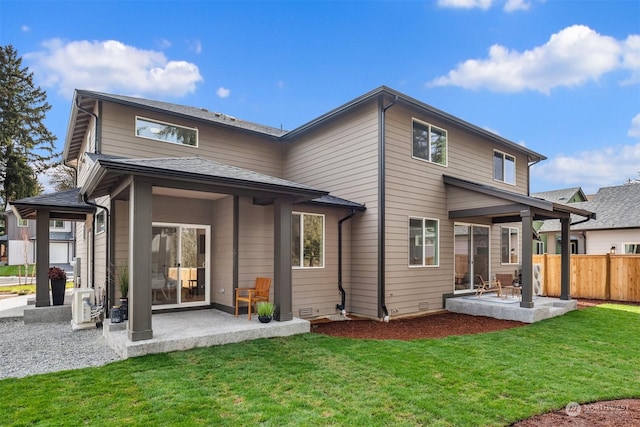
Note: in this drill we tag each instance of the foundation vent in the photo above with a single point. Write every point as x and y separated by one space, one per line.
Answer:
306 312
423 306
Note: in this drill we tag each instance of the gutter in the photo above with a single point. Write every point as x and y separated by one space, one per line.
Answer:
343 295
97 145
107 254
382 309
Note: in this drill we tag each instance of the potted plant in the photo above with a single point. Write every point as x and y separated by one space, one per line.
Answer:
123 283
58 279
265 311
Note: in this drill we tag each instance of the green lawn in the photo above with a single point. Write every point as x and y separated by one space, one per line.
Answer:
475 380
12 270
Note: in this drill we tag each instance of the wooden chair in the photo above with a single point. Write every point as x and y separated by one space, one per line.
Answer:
254 295
488 286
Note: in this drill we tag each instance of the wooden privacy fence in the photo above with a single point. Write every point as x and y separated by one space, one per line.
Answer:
606 277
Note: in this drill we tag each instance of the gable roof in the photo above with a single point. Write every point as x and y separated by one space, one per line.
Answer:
563 195
616 208
84 100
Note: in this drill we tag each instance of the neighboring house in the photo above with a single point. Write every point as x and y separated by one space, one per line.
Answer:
381 207
21 240
616 229
566 195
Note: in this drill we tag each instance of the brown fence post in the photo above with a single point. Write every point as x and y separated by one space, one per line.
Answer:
607 284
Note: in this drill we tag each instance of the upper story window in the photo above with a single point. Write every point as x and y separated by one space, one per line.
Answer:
424 236
429 143
504 167
167 132
56 223
307 240
22 222
101 222
509 246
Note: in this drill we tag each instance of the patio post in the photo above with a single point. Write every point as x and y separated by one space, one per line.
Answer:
140 203
282 291
527 259
42 258
565 260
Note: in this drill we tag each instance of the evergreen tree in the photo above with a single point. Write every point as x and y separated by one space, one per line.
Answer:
63 177
26 145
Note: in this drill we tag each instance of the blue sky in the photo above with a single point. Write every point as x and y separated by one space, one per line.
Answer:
561 77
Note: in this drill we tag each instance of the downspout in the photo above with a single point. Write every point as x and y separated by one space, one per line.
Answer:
382 310
529 176
97 136
93 249
343 295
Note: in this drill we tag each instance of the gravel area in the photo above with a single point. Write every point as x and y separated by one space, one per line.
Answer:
49 347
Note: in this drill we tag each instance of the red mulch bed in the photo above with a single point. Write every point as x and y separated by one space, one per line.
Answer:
614 413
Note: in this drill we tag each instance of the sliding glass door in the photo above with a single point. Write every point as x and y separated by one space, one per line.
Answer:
180 264
471 250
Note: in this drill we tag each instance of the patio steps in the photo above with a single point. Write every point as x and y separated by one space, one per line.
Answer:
509 309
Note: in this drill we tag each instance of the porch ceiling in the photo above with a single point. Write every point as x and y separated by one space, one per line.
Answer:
505 206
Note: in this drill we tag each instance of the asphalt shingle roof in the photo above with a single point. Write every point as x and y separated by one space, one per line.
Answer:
615 207
558 196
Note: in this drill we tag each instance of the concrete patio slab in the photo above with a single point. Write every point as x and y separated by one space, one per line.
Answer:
200 328
508 308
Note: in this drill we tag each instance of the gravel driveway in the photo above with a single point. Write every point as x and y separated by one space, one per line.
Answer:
49 347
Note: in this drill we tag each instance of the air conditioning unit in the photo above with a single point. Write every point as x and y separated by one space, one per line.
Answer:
537 279
81 308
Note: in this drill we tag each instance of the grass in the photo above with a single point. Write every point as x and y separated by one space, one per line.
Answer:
12 270
307 380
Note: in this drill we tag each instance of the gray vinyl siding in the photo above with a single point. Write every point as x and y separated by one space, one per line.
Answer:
222 260
415 188
255 243
215 143
317 288
81 252
342 157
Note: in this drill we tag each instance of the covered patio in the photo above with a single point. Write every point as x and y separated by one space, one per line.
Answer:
469 201
184 330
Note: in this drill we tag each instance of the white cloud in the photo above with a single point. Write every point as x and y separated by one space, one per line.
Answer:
223 92
466 4
515 5
25 28
111 66
571 57
590 170
164 44
634 131
195 45
631 58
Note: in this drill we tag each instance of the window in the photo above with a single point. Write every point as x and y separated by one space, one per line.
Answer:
509 239
151 129
56 223
100 222
424 237
504 167
539 247
429 143
22 222
307 240
632 248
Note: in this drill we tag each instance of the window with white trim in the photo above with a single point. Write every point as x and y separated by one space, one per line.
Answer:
101 222
429 143
56 224
22 222
167 132
509 245
424 242
632 248
504 167
307 240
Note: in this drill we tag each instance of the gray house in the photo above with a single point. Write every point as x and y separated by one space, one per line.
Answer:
616 229
382 207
